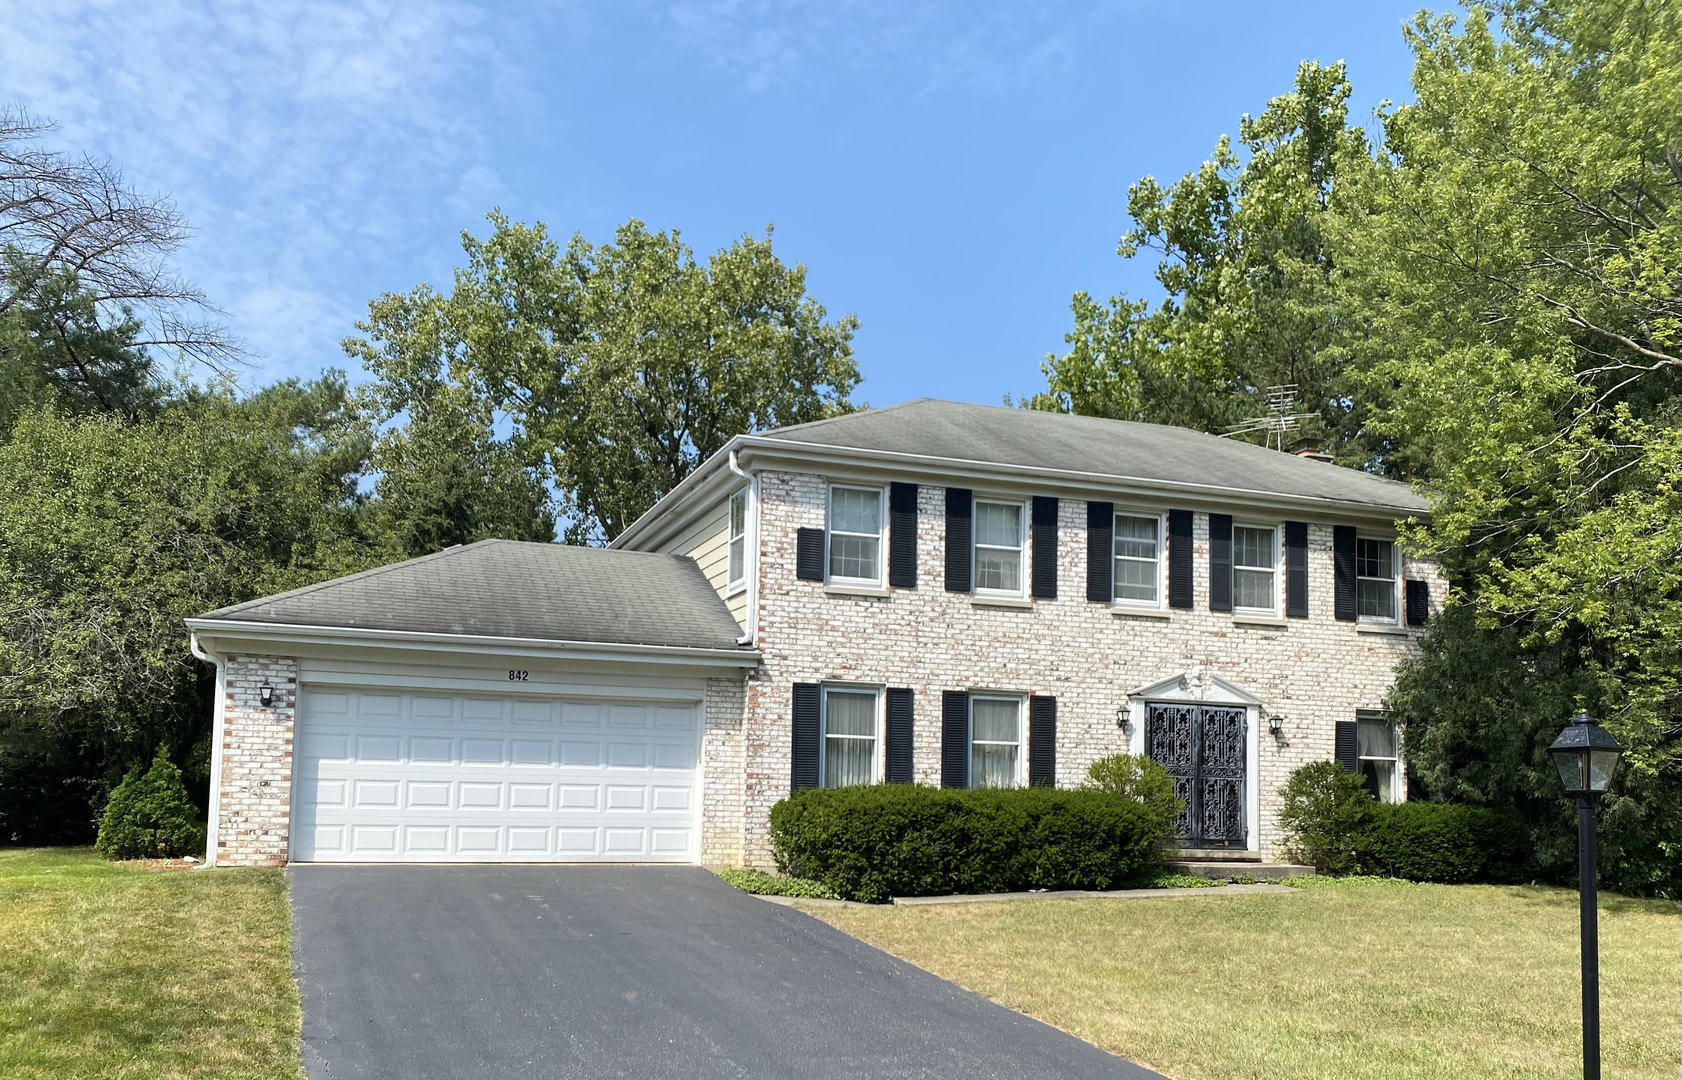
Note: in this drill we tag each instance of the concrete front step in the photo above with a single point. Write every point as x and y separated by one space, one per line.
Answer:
1214 855
1238 868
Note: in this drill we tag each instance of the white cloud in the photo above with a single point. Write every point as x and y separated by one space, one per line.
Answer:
309 146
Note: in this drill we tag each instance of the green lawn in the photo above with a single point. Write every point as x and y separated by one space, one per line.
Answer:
109 970
1354 981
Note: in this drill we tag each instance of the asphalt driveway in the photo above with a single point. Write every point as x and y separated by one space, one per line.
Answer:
605 971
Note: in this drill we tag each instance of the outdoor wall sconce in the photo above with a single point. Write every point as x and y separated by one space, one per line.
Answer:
1124 717
265 694
1276 725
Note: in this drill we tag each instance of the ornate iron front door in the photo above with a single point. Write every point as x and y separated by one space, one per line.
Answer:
1202 747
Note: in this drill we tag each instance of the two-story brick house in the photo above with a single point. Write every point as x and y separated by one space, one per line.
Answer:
933 593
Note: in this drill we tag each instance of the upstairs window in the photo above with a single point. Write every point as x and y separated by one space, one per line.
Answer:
1138 560
855 535
849 736
998 547
1375 579
995 728
1255 568
738 572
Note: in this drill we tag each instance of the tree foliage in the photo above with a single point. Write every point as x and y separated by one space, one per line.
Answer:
617 367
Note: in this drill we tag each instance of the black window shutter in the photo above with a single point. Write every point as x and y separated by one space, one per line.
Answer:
1045 547
1179 558
808 554
1296 569
954 739
1343 568
1220 562
1344 746
958 511
1042 741
902 536
1100 551
803 763
1418 602
900 715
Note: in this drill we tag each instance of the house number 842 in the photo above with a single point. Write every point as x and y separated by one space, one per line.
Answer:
517 676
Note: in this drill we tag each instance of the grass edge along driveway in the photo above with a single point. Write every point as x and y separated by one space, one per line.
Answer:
1357 980
114 970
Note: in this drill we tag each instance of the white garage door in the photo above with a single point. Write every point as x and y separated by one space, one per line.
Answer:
432 778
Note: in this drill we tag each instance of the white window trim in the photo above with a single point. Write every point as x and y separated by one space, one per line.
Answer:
881 579
733 586
1021 546
1161 601
1396 591
1273 612
1398 781
878 726
1021 702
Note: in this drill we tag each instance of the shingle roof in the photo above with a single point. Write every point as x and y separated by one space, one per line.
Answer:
1155 453
508 588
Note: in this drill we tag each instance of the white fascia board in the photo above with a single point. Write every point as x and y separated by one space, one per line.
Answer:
788 454
288 634
681 505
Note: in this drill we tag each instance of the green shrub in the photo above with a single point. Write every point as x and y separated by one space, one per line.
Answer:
1143 781
876 842
149 816
1443 842
1325 815
760 883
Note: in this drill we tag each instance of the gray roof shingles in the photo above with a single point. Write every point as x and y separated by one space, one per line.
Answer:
1157 453
515 589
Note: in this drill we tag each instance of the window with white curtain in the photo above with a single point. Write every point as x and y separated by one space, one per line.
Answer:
995 728
849 735
1378 746
1255 566
1138 559
738 578
855 535
1375 579
998 547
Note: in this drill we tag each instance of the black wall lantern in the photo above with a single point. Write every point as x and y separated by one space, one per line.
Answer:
1586 755
265 694
1276 725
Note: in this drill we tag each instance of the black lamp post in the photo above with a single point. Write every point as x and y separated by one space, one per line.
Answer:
1586 755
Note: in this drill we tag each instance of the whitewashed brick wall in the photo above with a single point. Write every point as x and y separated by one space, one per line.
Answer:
723 768
1315 671
256 778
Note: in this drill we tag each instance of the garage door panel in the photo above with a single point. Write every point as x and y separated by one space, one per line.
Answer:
433 778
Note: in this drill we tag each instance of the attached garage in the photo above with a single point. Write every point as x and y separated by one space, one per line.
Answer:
388 777
500 702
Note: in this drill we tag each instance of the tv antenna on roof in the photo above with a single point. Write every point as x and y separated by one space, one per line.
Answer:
1279 420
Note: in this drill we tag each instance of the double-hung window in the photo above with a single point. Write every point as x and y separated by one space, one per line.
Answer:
855 535
1375 579
738 573
849 735
995 740
998 547
1378 746
1255 568
1138 560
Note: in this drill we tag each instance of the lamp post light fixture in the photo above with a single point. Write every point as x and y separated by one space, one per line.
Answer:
1586 755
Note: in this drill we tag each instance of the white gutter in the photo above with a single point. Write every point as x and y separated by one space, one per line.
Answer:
427 640
214 802
750 557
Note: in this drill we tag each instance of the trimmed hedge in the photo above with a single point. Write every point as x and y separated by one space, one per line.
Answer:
149 816
875 842
1443 842
1332 823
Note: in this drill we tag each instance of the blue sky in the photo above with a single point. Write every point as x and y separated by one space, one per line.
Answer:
951 173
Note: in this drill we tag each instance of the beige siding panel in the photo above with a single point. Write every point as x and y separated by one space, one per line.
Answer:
708 543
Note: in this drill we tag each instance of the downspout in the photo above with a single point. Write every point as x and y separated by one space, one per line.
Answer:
752 567
215 799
